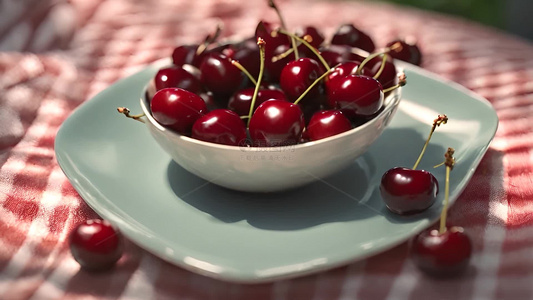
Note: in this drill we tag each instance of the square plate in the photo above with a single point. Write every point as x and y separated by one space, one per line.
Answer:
120 171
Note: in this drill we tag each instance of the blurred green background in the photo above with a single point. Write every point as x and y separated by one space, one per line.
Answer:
514 16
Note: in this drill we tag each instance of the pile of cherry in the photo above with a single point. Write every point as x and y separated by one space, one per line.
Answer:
276 88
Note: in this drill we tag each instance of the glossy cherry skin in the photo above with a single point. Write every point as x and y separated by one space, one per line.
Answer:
407 52
177 77
407 191
336 54
247 54
220 126
345 69
442 254
273 68
177 109
96 245
219 75
347 34
356 95
316 40
276 123
297 76
327 123
389 75
185 54
264 31
240 101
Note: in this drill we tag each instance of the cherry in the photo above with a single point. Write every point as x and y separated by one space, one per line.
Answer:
220 126
264 31
444 252
345 69
185 54
407 52
219 75
347 34
356 95
388 75
177 77
279 58
246 54
210 101
240 101
276 123
327 123
316 40
194 54
336 54
408 191
177 109
298 75
96 245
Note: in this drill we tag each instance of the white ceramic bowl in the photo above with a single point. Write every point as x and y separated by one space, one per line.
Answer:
270 169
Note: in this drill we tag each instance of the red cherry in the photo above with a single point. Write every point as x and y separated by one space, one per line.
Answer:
408 191
177 77
327 123
219 75
220 126
388 76
298 75
347 34
407 52
240 101
316 40
247 54
177 109
264 31
442 254
96 245
356 95
345 69
185 54
336 54
276 123
273 67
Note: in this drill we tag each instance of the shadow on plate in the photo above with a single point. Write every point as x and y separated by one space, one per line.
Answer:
350 195
334 199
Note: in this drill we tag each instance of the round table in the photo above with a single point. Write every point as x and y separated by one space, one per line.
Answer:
113 39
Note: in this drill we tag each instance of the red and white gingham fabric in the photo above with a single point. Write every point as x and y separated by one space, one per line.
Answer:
108 40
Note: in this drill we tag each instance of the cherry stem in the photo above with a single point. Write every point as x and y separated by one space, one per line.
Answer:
261 43
441 119
243 69
381 67
126 112
376 54
282 55
358 51
312 85
209 39
284 26
306 43
449 162
402 80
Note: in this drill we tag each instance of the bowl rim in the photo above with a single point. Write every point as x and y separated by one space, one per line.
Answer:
390 102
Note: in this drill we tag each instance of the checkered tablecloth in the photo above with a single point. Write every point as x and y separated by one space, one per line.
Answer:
58 54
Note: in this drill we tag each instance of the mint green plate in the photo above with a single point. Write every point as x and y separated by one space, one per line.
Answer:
120 171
